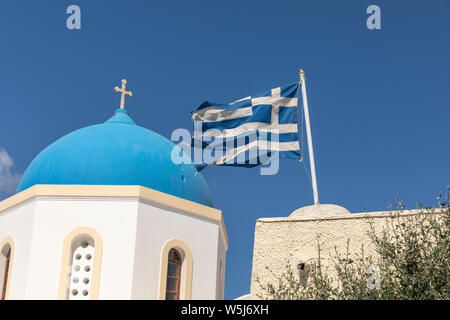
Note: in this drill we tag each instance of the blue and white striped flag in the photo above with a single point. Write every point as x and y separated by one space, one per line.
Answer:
250 131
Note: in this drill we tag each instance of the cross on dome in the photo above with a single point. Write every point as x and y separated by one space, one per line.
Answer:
124 92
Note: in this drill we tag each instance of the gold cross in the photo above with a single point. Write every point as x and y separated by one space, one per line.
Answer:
124 92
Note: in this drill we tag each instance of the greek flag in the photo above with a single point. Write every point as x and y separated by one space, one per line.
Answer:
250 131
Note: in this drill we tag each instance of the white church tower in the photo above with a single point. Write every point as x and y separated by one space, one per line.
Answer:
104 213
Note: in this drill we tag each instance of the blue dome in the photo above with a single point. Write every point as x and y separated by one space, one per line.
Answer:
117 152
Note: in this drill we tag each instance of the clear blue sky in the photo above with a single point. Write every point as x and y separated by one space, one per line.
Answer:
379 99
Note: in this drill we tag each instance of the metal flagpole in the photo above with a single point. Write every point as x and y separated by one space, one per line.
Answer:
308 135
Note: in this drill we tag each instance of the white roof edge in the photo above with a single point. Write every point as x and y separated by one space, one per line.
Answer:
247 296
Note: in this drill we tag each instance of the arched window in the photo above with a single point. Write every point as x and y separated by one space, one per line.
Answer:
80 268
175 282
173 275
80 274
5 259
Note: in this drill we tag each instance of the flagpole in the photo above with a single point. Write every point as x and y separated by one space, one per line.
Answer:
308 135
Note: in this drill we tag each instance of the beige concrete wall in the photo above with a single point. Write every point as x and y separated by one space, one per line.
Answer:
278 239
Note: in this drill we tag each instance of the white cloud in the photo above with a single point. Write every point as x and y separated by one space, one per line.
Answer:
8 179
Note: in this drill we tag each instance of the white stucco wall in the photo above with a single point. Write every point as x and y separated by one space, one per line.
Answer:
133 233
55 218
221 260
157 225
